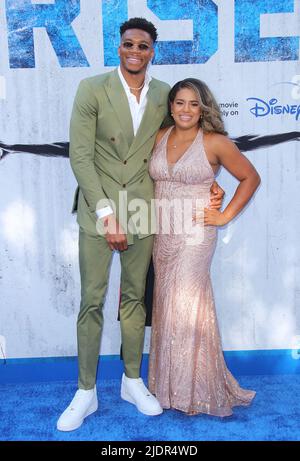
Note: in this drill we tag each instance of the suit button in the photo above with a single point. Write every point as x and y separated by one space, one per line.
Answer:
124 185
145 160
125 162
112 139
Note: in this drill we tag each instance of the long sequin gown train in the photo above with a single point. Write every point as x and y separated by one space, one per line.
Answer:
187 370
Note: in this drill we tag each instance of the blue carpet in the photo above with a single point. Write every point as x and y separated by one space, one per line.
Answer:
29 412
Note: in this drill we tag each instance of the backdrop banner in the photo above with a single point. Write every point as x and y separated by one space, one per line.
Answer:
247 51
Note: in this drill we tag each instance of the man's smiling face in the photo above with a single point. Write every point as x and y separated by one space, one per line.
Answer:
135 51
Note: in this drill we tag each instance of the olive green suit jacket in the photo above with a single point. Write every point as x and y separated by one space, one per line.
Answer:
107 159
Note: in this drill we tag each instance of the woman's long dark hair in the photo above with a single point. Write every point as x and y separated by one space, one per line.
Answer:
211 120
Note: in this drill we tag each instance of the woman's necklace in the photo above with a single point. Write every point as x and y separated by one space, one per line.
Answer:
174 143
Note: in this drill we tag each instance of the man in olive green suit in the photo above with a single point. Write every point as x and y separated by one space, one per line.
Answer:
114 123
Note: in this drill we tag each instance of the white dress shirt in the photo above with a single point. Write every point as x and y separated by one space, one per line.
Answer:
137 110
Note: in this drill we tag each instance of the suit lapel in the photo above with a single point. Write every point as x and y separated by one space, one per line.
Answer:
147 126
119 102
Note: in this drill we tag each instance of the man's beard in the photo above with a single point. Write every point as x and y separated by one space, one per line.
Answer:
135 72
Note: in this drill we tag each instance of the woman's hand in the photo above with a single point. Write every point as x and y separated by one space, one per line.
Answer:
214 217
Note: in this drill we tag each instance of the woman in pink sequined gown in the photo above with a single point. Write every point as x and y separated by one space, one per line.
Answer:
187 370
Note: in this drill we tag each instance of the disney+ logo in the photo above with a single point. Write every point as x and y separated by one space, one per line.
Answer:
262 108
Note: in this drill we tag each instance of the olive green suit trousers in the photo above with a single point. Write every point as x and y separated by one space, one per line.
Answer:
95 259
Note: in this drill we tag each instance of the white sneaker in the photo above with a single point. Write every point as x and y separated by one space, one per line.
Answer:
83 404
135 391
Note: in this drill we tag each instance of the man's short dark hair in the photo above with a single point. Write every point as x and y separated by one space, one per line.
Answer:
139 23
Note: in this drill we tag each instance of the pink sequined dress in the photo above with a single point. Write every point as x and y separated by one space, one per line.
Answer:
187 370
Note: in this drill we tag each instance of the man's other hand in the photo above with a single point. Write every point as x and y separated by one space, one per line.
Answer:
216 196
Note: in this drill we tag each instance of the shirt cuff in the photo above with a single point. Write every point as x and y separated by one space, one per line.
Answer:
103 212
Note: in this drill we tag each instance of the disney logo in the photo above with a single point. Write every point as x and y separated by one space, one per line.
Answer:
262 108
